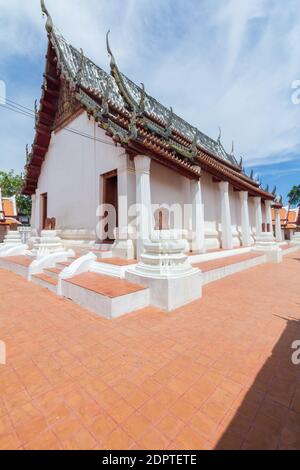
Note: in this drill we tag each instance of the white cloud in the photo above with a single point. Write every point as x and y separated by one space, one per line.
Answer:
229 63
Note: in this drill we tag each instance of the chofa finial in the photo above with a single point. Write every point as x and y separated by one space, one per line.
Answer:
49 22
232 148
112 59
274 190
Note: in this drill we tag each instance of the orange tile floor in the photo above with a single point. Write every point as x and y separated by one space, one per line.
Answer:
216 374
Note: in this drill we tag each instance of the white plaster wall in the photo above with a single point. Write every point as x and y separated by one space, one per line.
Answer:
212 211
71 175
235 210
251 206
169 187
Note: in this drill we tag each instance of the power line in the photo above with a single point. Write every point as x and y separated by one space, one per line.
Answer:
24 111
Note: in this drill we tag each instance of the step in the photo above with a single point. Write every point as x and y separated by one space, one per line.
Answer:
53 272
17 264
45 281
105 296
114 267
223 267
65 264
100 253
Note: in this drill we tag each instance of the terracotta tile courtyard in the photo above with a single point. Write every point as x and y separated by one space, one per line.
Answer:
216 374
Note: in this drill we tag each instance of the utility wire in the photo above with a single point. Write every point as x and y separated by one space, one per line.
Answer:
24 111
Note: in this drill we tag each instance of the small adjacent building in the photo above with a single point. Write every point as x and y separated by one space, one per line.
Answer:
8 215
289 220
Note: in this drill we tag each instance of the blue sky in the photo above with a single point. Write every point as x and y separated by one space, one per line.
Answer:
227 63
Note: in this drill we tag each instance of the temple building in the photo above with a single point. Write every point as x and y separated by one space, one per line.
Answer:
8 214
289 220
131 205
102 139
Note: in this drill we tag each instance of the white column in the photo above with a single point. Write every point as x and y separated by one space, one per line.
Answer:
143 200
197 216
258 216
33 209
126 173
38 215
278 232
227 240
1 207
246 235
268 209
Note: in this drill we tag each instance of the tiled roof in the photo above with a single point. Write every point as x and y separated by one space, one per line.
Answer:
9 221
290 218
8 207
131 117
95 79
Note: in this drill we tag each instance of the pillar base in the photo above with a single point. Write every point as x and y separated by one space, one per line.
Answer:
170 293
296 238
123 246
165 269
265 243
49 243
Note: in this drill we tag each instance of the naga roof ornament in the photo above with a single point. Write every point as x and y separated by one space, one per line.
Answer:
232 149
142 100
49 23
274 190
118 76
81 65
219 136
168 129
251 174
194 148
27 153
36 114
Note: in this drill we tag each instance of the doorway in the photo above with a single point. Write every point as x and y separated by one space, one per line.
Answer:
44 201
110 196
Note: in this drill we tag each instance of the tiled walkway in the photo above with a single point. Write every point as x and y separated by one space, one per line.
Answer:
215 374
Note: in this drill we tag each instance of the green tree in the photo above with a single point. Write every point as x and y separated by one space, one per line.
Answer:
11 185
294 195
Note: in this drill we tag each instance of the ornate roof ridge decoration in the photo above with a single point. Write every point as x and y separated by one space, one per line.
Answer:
81 66
49 22
118 76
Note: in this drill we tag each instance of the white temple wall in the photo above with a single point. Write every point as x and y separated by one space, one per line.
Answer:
212 212
235 211
71 174
71 177
170 188
251 206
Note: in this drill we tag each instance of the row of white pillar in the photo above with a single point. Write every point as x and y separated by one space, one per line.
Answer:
143 197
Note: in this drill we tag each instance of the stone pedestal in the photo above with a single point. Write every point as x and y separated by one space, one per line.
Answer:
295 240
123 246
12 238
49 243
165 269
265 243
